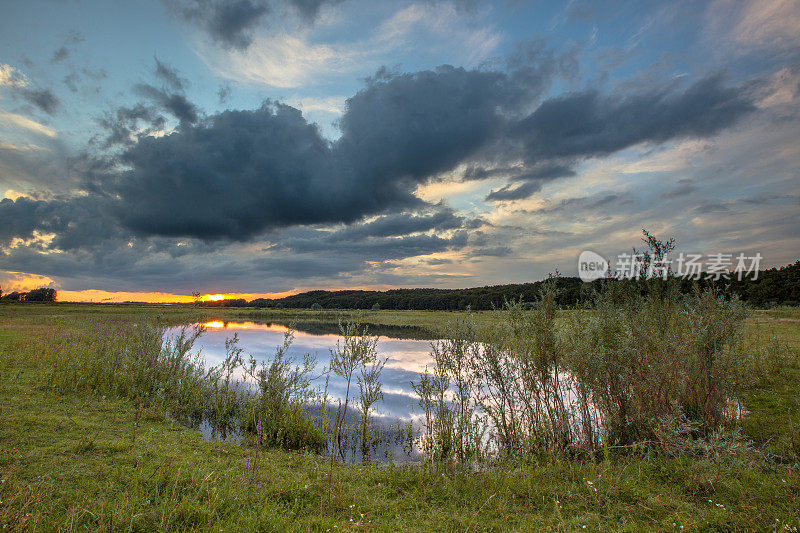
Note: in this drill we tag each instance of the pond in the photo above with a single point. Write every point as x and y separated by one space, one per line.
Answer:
407 349
396 419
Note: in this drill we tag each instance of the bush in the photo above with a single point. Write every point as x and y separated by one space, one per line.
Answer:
607 375
638 359
280 401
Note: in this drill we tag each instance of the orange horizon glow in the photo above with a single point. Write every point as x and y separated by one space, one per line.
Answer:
24 282
219 324
92 295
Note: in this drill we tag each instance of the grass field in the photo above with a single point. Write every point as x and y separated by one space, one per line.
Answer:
86 462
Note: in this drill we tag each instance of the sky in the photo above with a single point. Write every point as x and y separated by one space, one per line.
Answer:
153 149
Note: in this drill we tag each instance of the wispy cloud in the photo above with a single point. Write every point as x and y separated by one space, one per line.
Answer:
18 121
759 25
282 58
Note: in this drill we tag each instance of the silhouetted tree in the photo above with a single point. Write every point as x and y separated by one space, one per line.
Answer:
14 296
42 294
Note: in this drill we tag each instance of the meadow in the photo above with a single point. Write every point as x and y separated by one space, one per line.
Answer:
89 447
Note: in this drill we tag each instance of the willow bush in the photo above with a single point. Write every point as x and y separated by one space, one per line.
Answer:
543 382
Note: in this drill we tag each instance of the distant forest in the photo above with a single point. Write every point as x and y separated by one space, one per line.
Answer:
773 287
44 294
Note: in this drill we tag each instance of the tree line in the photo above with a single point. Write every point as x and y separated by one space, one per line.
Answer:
42 294
770 288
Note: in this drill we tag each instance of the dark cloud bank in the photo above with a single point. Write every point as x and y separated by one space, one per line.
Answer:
231 22
239 175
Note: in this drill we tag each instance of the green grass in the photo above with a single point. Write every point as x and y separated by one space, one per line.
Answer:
83 462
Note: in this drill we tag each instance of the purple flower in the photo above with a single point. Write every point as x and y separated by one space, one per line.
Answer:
247 463
258 428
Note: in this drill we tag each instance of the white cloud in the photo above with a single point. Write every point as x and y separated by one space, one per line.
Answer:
769 23
329 104
11 77
784 88
280 58
19 147
744 26
18 121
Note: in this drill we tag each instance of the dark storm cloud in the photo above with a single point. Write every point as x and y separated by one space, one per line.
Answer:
175 104
372 249
231 22
514 192
77 223
241 172
494 251
309 9
126 124
475 172
44 99
412 126
237 174
531 182
435 261
589 124
403 224
393 236
234 175
169 76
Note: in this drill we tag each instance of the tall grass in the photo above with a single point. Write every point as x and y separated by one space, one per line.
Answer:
617 373
134 361
274 401
538 382
141 362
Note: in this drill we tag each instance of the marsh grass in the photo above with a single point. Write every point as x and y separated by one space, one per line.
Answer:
138 361
169 479
616 374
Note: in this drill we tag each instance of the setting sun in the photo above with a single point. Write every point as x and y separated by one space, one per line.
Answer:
213 297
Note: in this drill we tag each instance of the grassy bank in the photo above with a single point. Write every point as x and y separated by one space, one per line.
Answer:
79 461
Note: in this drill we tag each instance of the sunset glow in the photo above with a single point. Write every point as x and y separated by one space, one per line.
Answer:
248 155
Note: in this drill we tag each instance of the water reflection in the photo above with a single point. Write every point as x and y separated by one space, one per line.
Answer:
407 357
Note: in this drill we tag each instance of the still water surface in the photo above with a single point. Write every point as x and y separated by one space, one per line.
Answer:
407 357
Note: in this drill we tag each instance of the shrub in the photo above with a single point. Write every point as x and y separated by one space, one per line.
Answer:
280 400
